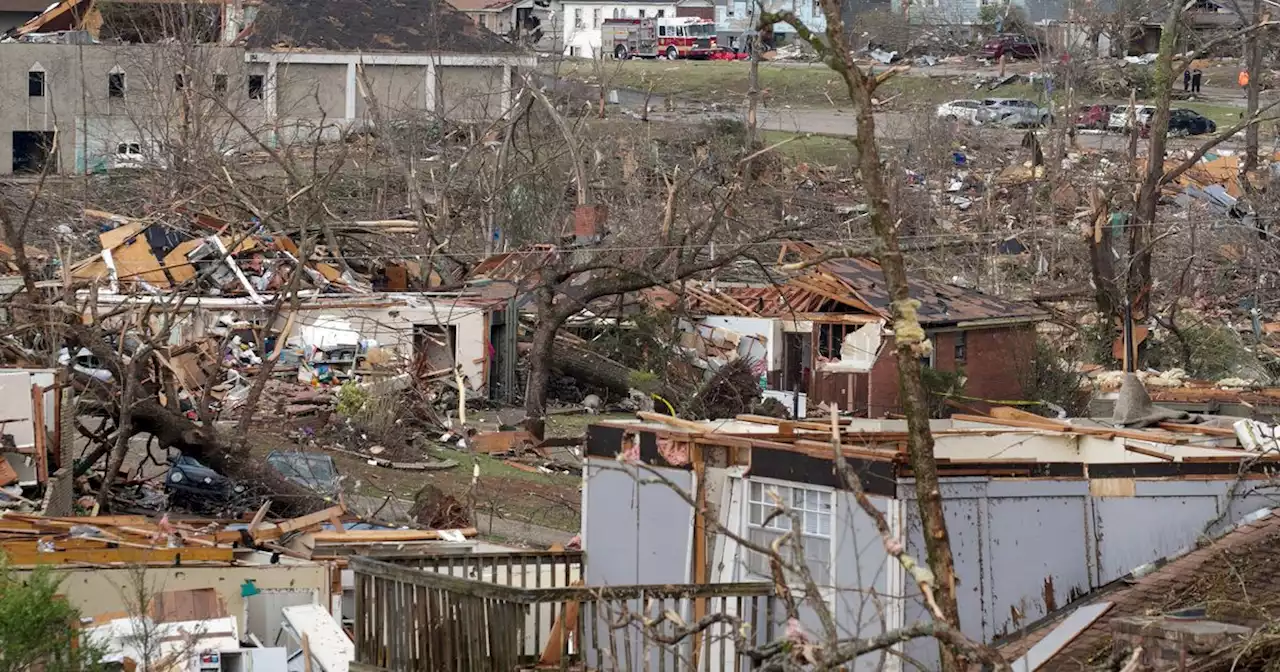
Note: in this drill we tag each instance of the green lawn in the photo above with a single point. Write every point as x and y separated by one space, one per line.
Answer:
706 81
827 150
808 85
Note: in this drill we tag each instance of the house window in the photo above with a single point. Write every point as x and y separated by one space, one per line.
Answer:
595 18
256 84
179 82
831 338
115 85
642 13
662 13
617 12
813 509
577 19
219 83
817 7
962 347
35 83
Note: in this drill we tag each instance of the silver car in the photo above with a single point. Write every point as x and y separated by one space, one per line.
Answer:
1014 112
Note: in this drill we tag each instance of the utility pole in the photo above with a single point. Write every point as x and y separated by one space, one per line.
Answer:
1253 65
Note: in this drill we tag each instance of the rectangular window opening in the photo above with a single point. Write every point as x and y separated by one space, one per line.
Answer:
256 85
219 83
115 85
35 84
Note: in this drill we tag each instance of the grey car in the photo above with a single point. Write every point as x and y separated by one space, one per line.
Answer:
1014 112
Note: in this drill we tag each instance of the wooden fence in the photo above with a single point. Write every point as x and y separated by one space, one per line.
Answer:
415 618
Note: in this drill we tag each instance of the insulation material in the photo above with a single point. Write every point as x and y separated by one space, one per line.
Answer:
1256 436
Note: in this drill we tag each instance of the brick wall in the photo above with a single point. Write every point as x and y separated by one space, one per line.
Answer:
994 365
1166 645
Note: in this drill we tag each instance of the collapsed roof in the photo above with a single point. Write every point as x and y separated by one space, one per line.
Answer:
164 256
334 25
847 285
369 25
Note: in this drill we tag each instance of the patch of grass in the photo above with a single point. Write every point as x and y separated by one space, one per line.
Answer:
709 81
820 149
575 424
1224 116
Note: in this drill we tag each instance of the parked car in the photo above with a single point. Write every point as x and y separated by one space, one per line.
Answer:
1014 112
1119 120
1095 117
315 471
1190 122
191 483
1013 46
960 110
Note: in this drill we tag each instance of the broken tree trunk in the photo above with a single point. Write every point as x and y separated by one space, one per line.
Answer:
597 369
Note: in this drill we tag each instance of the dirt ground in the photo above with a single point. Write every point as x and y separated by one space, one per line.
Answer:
543 502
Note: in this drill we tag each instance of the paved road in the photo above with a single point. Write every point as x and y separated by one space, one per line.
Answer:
889 126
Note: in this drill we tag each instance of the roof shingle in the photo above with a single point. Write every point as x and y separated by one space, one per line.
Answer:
372 25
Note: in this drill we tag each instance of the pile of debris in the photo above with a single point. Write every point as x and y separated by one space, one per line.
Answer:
30 539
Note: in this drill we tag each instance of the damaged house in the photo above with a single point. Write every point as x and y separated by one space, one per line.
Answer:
220 291
1039 511
123 82
826 334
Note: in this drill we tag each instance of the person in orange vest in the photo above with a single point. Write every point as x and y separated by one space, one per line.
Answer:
1243 79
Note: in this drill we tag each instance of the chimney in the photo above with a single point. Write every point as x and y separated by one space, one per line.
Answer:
1171 644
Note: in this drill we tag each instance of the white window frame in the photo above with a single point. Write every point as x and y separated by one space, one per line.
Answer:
781 523
577 19
595 18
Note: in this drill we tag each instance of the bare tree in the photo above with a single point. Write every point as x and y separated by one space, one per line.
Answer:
910 342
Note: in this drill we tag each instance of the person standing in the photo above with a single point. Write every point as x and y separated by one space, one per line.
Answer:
1186 80
1196 78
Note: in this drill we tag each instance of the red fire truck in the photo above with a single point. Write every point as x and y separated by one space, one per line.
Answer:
671 37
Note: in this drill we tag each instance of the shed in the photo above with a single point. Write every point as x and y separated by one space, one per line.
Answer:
1038 513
